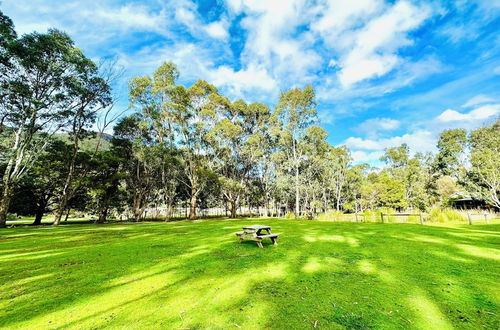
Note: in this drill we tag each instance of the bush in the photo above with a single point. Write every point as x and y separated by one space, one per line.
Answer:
290 215
446 215
414 218
385 210
369 216
331 215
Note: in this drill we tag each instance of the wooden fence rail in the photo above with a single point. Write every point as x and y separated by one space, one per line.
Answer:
485 215
402 215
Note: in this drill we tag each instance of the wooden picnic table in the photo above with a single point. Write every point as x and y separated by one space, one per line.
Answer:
255 233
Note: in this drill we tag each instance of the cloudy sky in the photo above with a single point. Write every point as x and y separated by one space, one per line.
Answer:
385 72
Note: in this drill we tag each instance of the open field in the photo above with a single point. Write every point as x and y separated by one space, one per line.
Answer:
195 275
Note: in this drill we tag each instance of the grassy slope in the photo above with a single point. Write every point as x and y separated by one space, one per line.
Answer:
195 275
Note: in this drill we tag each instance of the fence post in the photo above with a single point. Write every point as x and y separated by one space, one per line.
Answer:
470 219
382 217
421 219
486 218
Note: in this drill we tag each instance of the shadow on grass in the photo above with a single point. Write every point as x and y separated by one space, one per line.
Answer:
196 275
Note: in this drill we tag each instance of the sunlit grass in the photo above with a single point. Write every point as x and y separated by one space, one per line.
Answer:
196 275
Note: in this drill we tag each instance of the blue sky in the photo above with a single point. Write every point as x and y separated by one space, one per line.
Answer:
385 72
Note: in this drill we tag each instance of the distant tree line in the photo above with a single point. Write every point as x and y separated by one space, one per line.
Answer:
192 146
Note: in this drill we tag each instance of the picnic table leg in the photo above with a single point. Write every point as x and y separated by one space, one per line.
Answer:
275 240
259 243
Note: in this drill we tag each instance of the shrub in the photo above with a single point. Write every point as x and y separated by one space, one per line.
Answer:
414 218
369 216
446 215
290 215
331 215
385 210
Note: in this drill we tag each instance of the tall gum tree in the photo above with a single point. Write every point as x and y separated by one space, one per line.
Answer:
233 139
485 161
36 72
159 99
295 112
194 121
91 95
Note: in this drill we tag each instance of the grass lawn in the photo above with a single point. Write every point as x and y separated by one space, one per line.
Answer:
195 275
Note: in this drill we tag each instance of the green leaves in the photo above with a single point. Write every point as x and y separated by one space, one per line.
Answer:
297 108
451 146
485 160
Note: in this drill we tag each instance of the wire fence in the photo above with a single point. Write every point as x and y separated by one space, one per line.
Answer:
462 216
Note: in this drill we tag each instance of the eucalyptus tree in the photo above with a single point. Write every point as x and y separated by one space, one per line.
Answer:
37 73
227 140
314 167
179 120
338 165
295 112
90 95
258 148
8 35
194 119
104 183
161 102
485 161
356 178
37 191
132 142
450 157
235 139
411 173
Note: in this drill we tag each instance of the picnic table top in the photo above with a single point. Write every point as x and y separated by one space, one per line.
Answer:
257 227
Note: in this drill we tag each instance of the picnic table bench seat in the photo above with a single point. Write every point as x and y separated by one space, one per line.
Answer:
268 235
253 233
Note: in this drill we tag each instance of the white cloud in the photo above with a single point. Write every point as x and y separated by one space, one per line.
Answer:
185 16
478 114
373 52
360 143
407 74
425 134
378 124
339 16
418 141
217 30
273 41
252 77
366 157
129 16
478 99
292 41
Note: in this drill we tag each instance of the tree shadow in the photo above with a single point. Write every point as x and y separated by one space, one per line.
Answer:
197 275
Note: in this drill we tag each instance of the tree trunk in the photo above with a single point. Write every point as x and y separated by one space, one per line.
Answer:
4 204
169 209
9 175
60 210
137 207
66 192
266 203
67 214
38 217
234 207
297 196
103 215
64 196
192 204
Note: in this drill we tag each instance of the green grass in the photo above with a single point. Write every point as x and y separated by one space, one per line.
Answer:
195 275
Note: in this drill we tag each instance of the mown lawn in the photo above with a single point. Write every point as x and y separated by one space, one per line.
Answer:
195 275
